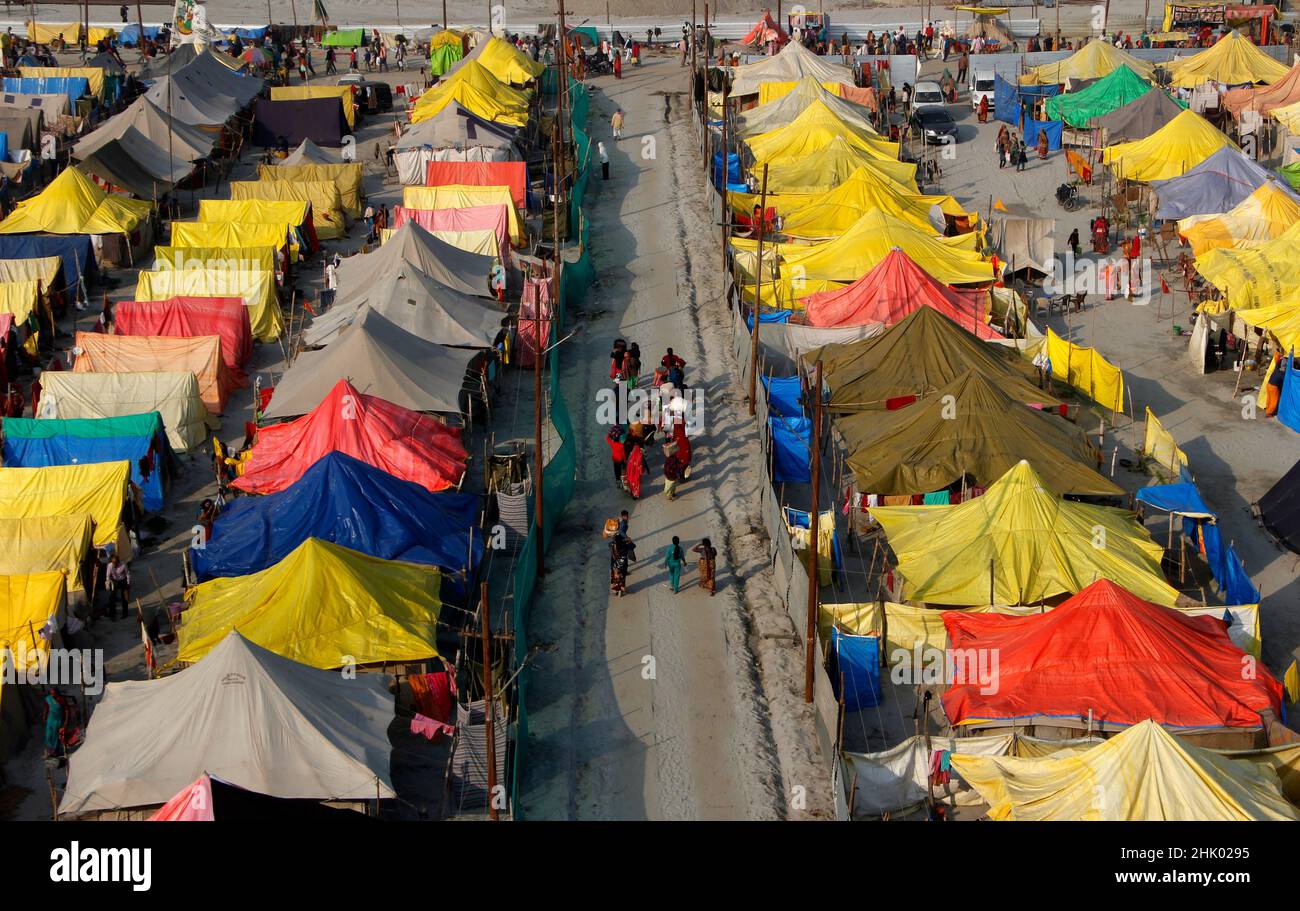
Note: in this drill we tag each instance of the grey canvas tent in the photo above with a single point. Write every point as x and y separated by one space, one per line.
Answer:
131 161
379 358
192 104
1215 185
244 714
310 153
206 69
1027 243
186 141
17 124
51 105
1138 119
457 269
418 304
453 134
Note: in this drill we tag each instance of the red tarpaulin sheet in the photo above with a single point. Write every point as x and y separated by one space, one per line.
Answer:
1107 650
192 804
896 287
766 30
191 317
404 443
512 174
471 218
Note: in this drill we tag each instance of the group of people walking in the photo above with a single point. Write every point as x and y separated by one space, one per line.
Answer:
622 554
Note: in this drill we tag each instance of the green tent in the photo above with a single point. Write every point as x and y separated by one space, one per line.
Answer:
586 35
345 37
1112 91
1291 173
443 58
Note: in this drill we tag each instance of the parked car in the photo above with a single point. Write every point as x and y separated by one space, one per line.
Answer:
935 124
981 86
927 94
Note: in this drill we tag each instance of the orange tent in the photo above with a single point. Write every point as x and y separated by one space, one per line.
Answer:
766 30
200 355
1264 98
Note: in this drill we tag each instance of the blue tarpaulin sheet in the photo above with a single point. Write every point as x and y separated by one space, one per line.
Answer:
783 395
343 500
73 86
856 659
790 449
1182 498
129 36
1006 103
1236 584
733 169
1053 128
76 251
769 316
1288 406
61 448
4 146
252 34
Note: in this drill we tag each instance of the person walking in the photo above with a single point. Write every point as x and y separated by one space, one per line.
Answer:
118 577
673 469
617 452
634 471
1022 157
618 65
330 58
963 66
708 566
1074 243
604 160
616 123
618 564
674 559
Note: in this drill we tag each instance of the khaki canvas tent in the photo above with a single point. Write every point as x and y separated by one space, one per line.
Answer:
200 355
173 395
412 245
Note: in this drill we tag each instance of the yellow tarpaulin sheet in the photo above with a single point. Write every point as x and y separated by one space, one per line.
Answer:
322 605
509 64
1234 59
1262 276
829 167
800 537
20 299
72 204
1288 116
69 32
1159 446
1092 61
1261 216
92 74
256 287
1170 151
292 214
326 201
775 91
952 260
347 177
264 259
447 36
464 196
1141 774
812 131
476 90
229 234
302 92
173 394
26 604
1282 320
1084 369
44 269
44 544
95 489
1033 544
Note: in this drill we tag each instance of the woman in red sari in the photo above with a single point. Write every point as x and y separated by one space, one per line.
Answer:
634 471
984 109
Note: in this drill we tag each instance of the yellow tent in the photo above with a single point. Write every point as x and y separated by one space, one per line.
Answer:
230 234
92 74
44 269
263 259
72 204
27 603
462 196
1261 216
769 92
45 34
245 214
322 605
1142 774
1288 116
509 64
483 242
1282 320
327 214
1021 542
255 286
476 90
41 544
97 489
812 131
1083 368
1232 60
302 92
20 299
1261 276
346 176
447 36
1095 59
952 260
830 166
1170 151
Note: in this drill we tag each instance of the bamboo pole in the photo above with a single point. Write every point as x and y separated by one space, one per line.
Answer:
813 521
758 298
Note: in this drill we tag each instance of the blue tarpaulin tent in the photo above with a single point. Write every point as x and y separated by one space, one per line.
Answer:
734 175
857 660
783 395
1185 500
769 316
1009 99
348 502
76 251
129 36
73 86
252 34
1182 498
1288 405
790 449
1053 128
138 439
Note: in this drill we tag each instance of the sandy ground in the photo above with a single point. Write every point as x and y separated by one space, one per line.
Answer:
716 732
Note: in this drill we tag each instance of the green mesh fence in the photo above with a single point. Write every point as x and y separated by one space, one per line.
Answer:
560 474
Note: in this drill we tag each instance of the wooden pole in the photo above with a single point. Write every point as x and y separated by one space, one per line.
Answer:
758 297
813 577
489 707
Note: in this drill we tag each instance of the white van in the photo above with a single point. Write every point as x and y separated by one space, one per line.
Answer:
981 86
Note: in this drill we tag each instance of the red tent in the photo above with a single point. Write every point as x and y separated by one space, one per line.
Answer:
766 30
404 443
512 174
896 287
191 317
1108 651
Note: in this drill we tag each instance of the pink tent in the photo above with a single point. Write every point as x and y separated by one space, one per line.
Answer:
471 218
